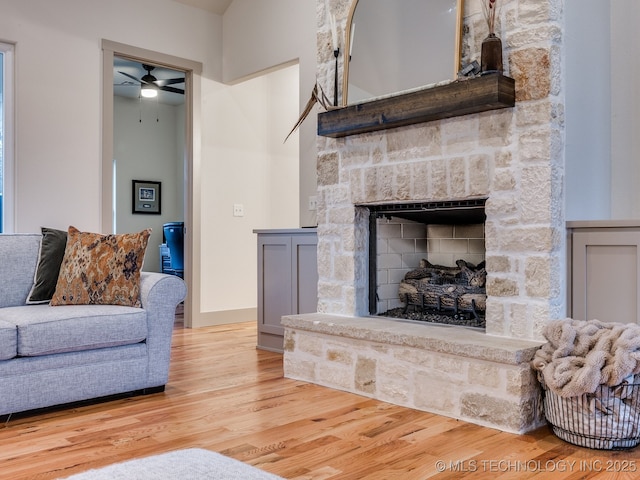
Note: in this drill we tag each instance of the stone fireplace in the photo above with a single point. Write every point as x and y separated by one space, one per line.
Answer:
513 158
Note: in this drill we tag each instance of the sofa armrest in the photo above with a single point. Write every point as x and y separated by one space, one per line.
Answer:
160 294
161 290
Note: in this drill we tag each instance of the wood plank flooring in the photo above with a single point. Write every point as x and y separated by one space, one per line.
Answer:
228 397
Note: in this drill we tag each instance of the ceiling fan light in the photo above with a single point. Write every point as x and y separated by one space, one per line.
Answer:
148 91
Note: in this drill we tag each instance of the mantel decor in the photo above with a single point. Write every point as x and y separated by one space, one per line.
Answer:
462 97
491 51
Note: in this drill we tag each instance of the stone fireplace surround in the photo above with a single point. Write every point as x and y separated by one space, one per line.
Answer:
514 159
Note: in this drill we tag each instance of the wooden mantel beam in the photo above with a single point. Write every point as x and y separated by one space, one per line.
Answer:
462 97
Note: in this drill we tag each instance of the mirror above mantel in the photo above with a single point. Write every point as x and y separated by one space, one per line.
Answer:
445 98
400 45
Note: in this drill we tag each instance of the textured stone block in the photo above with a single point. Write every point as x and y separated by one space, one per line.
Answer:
531 69
502 287
478 176
311 345
297 368
485 374
450 367
438 181
538 277
496 128
535 145
503 158
341 378
457 177
365 378
534 239
420 179
403 182
500 205
536 193
340 355
289 341
498 263
435 395
504 180
424 139
328 169
415 357
492 410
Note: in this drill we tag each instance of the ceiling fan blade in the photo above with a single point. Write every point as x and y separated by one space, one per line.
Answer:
130 76
171 89
169 81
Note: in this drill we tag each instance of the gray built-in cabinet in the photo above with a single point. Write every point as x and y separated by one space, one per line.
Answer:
287 280
604 270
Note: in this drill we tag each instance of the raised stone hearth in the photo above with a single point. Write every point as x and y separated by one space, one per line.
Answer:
458 372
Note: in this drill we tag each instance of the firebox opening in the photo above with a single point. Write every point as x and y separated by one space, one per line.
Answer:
426 262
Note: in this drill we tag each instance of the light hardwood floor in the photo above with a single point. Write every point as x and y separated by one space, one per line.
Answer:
226 396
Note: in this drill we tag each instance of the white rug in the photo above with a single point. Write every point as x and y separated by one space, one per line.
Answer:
193 463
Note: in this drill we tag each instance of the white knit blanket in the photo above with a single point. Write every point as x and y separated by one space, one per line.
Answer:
580 355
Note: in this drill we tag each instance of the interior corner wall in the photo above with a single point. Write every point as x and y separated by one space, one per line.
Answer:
147 136
247 164
588 110
625 108
602 110
260 36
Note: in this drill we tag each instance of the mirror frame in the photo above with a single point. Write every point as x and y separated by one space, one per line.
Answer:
347 47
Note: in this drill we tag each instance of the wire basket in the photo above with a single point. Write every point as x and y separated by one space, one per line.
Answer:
608 419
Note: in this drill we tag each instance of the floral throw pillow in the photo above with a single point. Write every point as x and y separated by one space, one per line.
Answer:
101 269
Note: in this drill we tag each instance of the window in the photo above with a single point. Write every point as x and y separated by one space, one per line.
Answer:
6 137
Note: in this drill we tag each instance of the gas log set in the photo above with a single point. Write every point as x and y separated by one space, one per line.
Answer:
446 295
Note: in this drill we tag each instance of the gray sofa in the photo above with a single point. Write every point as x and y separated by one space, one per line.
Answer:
56 355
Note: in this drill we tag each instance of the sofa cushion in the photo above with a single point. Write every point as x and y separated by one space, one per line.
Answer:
101 269
8 340
50 258
44 330
18 258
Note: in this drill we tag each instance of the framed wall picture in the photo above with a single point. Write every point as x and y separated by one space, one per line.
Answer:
146 196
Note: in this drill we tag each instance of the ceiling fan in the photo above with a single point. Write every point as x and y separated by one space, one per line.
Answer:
151 83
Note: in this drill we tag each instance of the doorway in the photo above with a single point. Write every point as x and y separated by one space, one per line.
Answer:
191 71
148 147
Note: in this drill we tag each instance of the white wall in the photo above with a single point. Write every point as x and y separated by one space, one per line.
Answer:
625 108
249 165
148 150
602 109
260 35
588 110
58 92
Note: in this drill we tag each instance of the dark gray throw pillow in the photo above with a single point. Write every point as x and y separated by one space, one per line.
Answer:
52 248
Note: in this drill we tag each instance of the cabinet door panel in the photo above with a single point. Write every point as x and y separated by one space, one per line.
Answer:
305 276
274 300
606 270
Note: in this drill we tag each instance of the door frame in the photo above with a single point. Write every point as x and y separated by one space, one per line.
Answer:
7 215
193 72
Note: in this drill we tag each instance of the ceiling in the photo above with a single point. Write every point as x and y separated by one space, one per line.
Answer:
124 86
214 6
